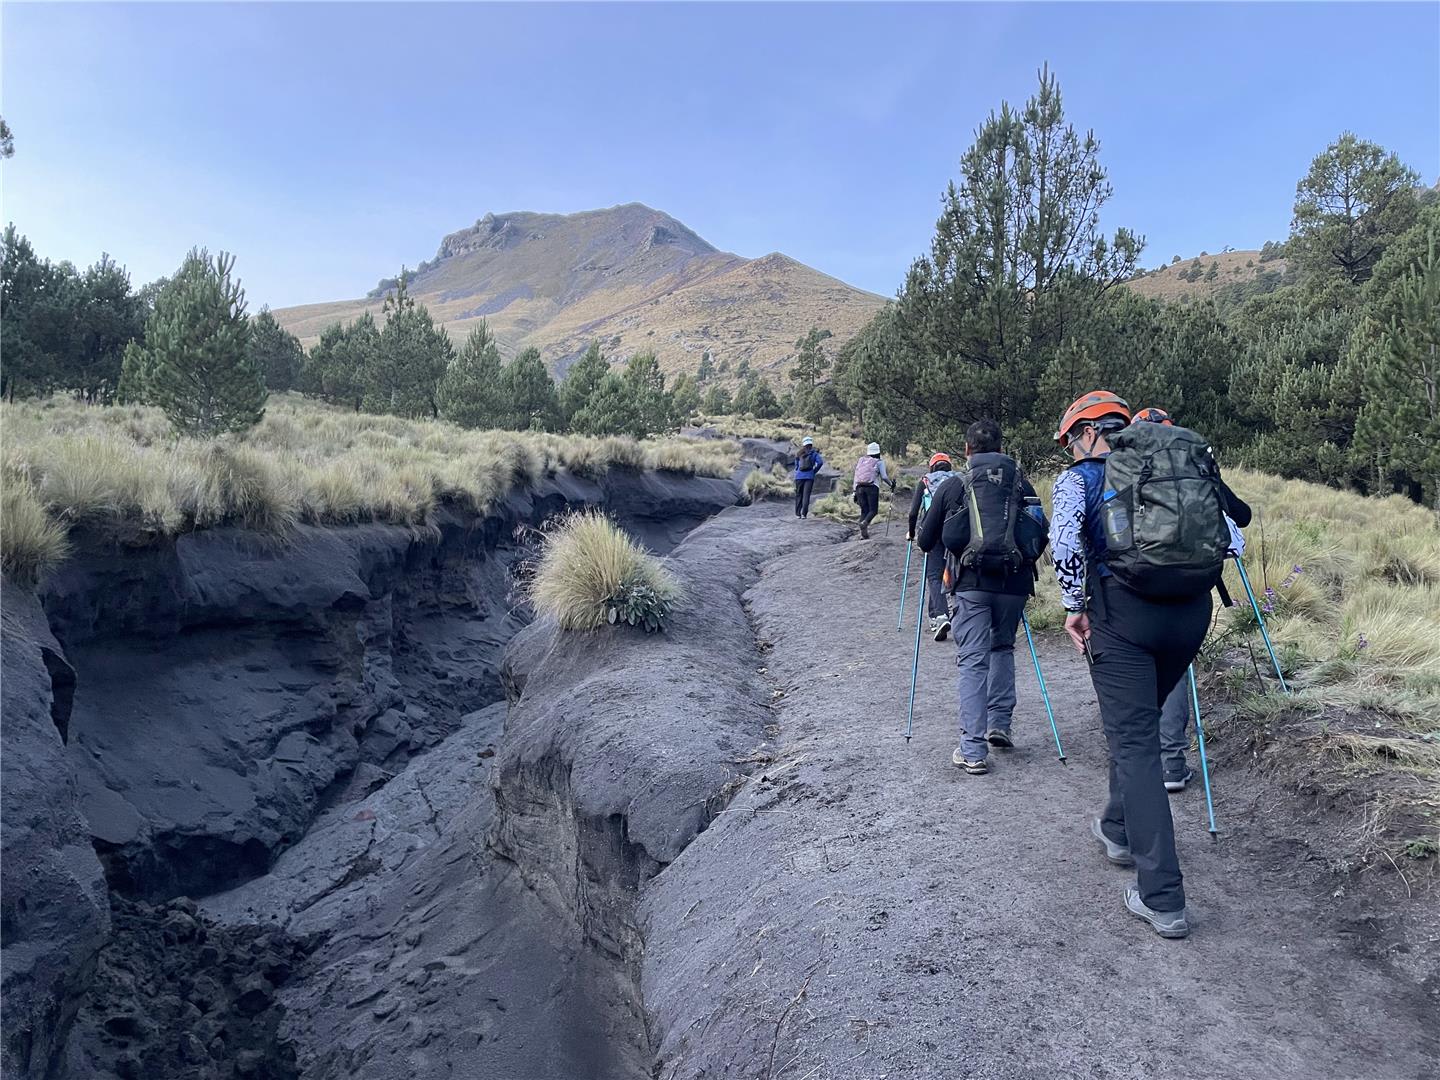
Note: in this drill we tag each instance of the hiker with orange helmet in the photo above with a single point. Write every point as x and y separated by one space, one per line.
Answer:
938 609
1139 643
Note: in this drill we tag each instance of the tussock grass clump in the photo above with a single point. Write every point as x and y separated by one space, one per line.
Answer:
30 540
591 573
123 467
775 484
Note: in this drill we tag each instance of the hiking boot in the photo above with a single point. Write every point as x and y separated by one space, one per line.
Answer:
1177 782
864 531
1119 854
996 737
940 627
974 768
1168 924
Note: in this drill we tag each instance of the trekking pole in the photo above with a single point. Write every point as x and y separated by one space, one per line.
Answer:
1204 761
1044 693
889 509
915 663
1259 618
904 585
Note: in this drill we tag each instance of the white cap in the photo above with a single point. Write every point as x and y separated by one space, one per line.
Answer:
807 441
873 448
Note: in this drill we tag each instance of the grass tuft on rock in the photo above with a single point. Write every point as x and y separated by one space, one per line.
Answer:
31 542
591 572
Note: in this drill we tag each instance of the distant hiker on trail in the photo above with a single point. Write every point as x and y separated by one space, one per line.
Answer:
1175 713
806 466
992 542
869 475
1134 493
935 602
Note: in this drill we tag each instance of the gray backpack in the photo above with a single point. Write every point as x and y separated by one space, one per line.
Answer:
1163 513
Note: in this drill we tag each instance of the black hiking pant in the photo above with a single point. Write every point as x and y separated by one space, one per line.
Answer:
802 496
936 604
868 497
1141 649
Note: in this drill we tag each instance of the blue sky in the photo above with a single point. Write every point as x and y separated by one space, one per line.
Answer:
326 144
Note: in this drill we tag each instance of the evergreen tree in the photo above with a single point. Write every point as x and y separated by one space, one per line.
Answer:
34 301
811 362
717 402
707 368
684 398
527 393
1399 424
195 360
1017 260
581 381
276 351
611 410
108 316
1354 200
404 374
763 402
647 385
470 391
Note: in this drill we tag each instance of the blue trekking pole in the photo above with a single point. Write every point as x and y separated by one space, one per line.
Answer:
1204 761
915 663
1264 633
904 584
1044 693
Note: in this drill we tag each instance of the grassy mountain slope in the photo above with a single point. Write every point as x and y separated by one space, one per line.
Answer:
633 277
1231 267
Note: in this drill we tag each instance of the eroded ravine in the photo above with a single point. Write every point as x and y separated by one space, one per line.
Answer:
298 733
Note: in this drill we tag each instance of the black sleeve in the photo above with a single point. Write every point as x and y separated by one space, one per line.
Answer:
915 507
1236 507
1028 489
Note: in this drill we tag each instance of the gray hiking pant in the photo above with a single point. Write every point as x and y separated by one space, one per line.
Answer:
1174 718
935 605
984 625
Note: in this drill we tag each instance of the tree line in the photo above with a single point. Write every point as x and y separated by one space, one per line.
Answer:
187 344
1326 372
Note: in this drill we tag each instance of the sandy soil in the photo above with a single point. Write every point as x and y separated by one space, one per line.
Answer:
863 909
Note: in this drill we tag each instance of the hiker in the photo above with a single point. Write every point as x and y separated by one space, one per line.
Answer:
1140 620
806 466
1175 713
935 602
869 475
991 577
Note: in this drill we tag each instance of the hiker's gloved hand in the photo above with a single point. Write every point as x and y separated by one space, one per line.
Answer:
909 538
1077 625
892 487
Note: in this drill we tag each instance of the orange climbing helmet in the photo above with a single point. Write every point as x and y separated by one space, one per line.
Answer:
1091 406
1154 415
936 459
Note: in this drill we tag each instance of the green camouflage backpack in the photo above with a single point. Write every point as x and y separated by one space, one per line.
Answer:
1162 512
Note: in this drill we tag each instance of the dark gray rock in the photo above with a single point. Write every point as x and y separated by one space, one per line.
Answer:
54 912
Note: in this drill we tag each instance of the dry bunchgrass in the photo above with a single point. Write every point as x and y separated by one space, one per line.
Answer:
122 467
30 540
590 573
775 484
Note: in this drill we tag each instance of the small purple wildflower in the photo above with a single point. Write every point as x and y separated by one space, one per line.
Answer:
1362 643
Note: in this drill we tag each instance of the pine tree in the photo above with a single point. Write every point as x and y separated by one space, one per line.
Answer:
581 381
1354 200
647 384
469 393
763 402
276 351
528 394
811 362
707 368
611 410
195 361
684 398
404 374
1400 421
717 402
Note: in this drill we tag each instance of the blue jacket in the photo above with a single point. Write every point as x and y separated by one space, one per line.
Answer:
816 464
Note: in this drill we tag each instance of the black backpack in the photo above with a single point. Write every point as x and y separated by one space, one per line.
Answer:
1163 512
992 531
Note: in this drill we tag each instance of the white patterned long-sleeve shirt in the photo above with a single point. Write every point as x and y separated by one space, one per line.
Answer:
1067 538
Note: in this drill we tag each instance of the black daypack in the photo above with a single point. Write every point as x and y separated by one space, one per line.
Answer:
1163 512
991 532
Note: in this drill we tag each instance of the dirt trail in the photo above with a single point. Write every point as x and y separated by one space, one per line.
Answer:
865 910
